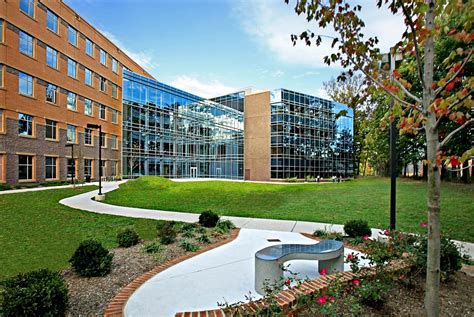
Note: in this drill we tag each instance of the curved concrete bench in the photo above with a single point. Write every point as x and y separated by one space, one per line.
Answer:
269 261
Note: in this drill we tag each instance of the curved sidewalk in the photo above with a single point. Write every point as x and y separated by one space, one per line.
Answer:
85 202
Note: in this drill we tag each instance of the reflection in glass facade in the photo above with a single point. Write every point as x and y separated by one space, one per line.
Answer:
310 136
234 100
171 133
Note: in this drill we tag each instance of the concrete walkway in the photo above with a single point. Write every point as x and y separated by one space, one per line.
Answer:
224 274
35 189
85 202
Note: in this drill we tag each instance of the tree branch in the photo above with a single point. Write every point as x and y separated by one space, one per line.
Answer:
409 94
450 135
451 106
466 60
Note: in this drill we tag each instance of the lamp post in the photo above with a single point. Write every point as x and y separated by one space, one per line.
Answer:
98 126
71 145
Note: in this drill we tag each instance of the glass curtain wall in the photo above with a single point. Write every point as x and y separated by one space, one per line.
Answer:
234 100
168 132
310 136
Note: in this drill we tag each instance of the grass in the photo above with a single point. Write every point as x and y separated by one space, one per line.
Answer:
38 232
337 203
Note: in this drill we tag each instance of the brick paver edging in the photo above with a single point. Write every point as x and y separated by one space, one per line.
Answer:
117 304
289 297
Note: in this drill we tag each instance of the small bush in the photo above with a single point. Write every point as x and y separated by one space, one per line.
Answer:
208 219
167 233
127 237
152 247
37 293
188 226
188 246
373 293
91 259
224 226
357 228
203 238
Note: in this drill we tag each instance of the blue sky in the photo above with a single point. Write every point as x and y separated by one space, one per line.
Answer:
212 47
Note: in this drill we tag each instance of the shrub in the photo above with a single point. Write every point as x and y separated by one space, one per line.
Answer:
91 259
203 238
167 233
224 226
357 228
373 293
37 293
152 247
188 246
127 237
208 219
188 230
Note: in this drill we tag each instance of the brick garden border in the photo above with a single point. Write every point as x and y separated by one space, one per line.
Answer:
117 304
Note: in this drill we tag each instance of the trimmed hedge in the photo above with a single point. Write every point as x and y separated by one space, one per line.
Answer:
91 259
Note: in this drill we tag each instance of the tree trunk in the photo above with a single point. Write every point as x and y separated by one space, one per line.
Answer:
434 181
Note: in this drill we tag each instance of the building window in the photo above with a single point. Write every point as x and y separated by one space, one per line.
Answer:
113 142
25 124
1 33
103 168
88 107
72 35
52 23
102 112
71 133
25 84
89 47
28 7
87 136
51 167
51 130
51 57
87 167
71 68
71 168
114 65
114 115
25 167
103 83
88 77
103 57
1 75
113 168
71 101
103 140
26 43
114 90
51 93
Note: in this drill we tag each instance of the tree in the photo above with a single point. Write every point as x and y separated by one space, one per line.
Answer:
351 93
438 101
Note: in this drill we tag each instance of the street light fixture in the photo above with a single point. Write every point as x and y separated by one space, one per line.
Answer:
71 145
98 126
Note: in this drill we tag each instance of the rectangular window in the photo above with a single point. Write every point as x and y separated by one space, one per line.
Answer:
102 112
71 101
89 47
25 124
52 21
1 31
50 166
87 136
25 167
25 84
102 85
103 140
103 168
103 57
114 90
71 133
1 75
114 115
71 68
114 65
26 43
113 168
88 107
51 130
71 168
113 142
72 35
88 77
28 7
51 93
51 57
87 167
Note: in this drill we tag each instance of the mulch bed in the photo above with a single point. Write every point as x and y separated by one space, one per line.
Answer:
90 296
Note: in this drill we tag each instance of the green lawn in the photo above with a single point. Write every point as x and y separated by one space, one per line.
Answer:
36 231
330 203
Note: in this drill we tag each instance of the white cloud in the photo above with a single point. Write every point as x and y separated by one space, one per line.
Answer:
270 23
307 74
145 59
321 93
209 89
269 73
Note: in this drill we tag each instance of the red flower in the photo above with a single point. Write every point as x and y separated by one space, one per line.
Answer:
450 86
324 271
355 282
287 282
322 300
332 299
386 232
365 238
350 257
424 224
